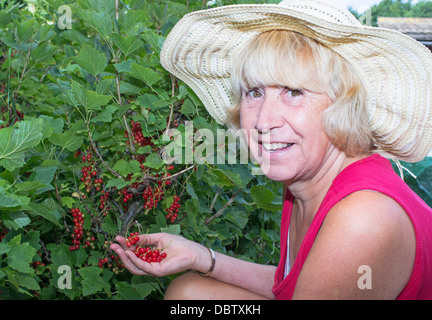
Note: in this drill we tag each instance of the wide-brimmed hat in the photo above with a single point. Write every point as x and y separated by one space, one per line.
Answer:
395 69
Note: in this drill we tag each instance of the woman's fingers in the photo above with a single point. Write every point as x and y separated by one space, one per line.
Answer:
151 269
131 261
179 252
122 253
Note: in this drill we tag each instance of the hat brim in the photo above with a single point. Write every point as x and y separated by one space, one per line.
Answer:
395 69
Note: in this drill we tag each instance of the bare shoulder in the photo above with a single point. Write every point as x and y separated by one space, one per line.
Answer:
367 230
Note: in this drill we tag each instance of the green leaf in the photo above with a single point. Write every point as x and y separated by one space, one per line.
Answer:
124 167
104 86
56 124
14 141
145 74
24 188
153 161
95 101
27 281
91 60
102 6
106 114
45 212
45 33
109 225
25 29
127 44
260 195
118 183
60 255
42 52
124 66
172 229
44 175
20 256
98 21
90 100
191 191
16 220
125 291
144 285
188 108
132 21
147 100
69 139
68 202
92 281
155 40
8 201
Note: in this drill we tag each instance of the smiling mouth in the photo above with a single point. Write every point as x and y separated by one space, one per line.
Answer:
273 147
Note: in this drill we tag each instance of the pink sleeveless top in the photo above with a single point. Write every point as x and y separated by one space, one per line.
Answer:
372 173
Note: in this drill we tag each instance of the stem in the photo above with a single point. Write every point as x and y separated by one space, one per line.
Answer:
134 209
24 70
119 99
99 155
217 214
215 198
172 105
173 176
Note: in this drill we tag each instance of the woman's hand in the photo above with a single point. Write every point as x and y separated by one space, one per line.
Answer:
182 254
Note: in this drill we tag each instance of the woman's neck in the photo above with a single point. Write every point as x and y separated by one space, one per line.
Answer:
310 193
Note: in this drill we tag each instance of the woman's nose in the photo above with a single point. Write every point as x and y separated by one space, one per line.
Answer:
269 115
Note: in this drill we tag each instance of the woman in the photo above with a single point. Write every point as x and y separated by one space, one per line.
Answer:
324 100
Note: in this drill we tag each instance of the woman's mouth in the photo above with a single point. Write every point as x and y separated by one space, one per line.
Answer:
274 147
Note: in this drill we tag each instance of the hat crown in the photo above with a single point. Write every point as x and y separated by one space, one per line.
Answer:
328 10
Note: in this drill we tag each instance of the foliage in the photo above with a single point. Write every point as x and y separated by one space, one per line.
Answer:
84 112
399 8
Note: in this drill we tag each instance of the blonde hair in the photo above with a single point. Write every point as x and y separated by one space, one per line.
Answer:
286 58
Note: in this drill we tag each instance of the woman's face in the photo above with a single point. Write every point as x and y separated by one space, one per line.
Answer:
285 134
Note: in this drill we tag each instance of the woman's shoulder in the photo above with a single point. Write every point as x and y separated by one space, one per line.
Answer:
369 210
366 228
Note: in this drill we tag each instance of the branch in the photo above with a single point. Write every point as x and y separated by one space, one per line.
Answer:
215 198
99 155
134 209
172 105
217 214
173 176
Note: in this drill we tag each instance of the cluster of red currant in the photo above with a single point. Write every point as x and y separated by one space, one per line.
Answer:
126 195
173 210
138 137
152 196
88 172
132 239
150 255
78 219
102 199
102 262
115 263
3 233
37 263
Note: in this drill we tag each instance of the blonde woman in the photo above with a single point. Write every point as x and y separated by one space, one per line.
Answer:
327 102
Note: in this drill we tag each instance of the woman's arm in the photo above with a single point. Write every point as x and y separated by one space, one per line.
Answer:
365 249
183 254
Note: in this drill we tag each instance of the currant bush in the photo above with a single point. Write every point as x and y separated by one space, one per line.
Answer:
87 114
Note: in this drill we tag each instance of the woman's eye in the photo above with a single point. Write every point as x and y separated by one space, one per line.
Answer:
296 93
254 93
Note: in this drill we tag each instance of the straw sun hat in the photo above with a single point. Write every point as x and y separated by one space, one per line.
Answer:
396 70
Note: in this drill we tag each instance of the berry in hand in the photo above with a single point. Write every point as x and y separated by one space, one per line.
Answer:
132 239
150 255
